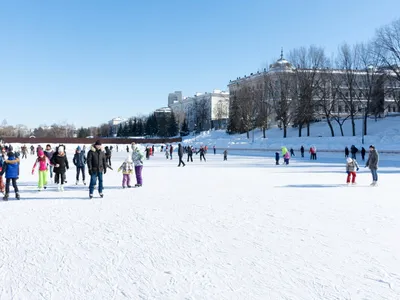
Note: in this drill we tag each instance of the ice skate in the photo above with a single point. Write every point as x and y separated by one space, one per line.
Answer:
77 182
17 196
62 188
373 183
90 196
59 187
101 195
84 183
5 198
129 186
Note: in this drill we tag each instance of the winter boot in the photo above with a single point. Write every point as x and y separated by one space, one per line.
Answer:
129 186
5 198
101 195
62 188
84 183
17 196
90 196
77 182
59 187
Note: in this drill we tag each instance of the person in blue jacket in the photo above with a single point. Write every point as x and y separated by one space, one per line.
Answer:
80 162
277 158
11 169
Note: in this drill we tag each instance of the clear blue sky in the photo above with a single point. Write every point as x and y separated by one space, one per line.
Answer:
87 61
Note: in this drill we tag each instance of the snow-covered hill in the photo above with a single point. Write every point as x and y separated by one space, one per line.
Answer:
383 133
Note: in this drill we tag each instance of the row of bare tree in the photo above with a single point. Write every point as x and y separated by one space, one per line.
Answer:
362 80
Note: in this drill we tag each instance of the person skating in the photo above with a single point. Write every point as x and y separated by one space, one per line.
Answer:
372 164
127 149
24 150
2 186
55 153
32 150
351 168
166 154
79 161
11 170
127 170
292 152
137 158
180 155
49 154
108 155
60 162
189 154
171 150
152 150
97 165
353 151
363 153
302 151
277 158
43 163
215 150
202 152
225 155
346 152
286 158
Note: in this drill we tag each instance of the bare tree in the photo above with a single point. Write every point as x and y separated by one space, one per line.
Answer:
202 108
348 85
326 97
221 111
281 92
308 63
387 40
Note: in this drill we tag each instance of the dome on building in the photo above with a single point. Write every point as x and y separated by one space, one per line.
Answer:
281 64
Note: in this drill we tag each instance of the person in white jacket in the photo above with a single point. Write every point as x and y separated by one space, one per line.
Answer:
137 158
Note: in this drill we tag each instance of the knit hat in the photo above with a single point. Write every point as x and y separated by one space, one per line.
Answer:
128 159
78 148
40 153
372 146
10 154
98 143
61 149
349 160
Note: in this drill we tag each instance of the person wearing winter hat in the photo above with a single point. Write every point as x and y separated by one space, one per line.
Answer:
60 162
49 154
79 162
137 158
127 170
11 169
372 164
351 168
43 163
97 165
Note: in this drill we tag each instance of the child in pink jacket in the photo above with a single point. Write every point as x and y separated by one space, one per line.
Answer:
43 163
286 158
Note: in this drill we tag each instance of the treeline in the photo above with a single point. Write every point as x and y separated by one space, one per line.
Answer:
161 125
310 86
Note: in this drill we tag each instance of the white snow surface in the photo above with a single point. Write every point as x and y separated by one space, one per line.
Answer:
383 133
241 229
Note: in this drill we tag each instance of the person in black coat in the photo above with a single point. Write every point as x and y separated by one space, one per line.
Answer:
60 162
202 152
79 162
302 151
180 155
189 153
108 155
346 152
353 151
363 153
97 165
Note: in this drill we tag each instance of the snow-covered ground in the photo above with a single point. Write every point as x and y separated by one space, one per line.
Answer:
242 229
384 134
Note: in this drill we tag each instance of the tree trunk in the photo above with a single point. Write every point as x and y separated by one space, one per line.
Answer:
284 130
308 129
365 123
330 127
341 129
353 124
264 134
248 134
300 129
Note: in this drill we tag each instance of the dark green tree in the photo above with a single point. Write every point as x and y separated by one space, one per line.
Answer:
173 128
185 128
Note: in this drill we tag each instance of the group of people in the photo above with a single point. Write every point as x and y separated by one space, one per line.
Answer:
353 151
372 163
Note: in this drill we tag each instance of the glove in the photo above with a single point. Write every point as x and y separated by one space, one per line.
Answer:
105 170
358 169
347 172
90 172
33 171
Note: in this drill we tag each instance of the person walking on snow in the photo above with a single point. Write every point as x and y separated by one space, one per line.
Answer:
97 165
292 152
225 155
43 163
302 151
127 170
49 154
363 153
108 155
137 158
189 153
351 168
11 169
277 158
79 162
61 165
215 150
372 164
353 151
180 155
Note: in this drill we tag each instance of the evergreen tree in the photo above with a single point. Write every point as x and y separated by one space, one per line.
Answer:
129 129
185 128
162 125
173 128
139 127
120 130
